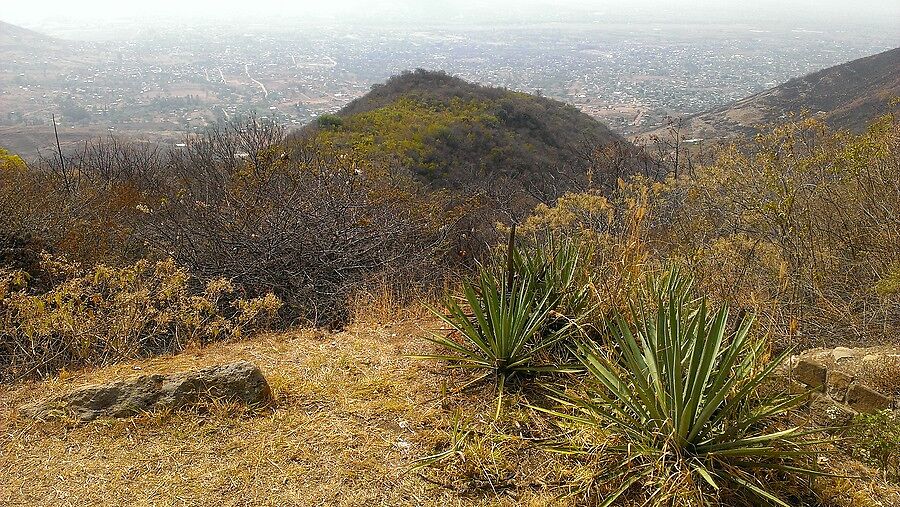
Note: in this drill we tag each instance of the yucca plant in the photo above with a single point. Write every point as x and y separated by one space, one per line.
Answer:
501 331
509 320
678 401
559 270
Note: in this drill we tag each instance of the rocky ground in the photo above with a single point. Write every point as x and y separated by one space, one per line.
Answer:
848 381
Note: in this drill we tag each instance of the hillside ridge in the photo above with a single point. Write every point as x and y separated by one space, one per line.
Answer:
11 35
847 96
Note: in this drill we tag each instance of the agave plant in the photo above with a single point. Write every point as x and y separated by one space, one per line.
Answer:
500 330
679 400
557 268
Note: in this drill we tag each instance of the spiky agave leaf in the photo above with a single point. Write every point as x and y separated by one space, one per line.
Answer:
682 391
557 267
503 331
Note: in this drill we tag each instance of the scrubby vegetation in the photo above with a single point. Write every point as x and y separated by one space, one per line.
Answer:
801 227
675 403
455 134
876 439
239 206
109 314
588 317
675 409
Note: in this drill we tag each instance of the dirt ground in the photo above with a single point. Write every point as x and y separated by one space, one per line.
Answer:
352 416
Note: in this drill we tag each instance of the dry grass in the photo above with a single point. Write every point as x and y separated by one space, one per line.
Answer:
384 304
862 488
353 416
882 374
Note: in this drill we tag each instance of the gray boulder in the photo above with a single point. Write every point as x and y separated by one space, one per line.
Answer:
237 382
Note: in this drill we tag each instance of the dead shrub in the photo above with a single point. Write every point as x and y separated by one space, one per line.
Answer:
104 314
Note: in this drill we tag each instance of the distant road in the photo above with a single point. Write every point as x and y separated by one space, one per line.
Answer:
247 71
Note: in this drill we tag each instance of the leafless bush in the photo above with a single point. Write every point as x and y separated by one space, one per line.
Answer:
305 224
243 203
82 205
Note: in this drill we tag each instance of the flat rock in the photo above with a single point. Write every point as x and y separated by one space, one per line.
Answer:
866 400
236 382
843 353
825 412
838 384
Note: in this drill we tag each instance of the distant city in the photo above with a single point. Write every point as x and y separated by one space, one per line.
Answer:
159 84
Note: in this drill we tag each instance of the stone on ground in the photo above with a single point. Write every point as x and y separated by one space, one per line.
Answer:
866 400
811 373
237 382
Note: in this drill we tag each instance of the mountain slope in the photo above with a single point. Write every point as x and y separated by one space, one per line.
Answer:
456 134
848 96
30 62
16 36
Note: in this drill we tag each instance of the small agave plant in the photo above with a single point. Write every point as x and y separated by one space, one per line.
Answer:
558 269
501 332
504 326
678 405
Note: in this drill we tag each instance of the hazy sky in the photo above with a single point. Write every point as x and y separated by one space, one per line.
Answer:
883 13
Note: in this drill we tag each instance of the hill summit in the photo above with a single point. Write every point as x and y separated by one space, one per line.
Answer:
455 134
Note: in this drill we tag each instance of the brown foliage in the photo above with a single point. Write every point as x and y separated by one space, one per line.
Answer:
103 315
802 227
309 225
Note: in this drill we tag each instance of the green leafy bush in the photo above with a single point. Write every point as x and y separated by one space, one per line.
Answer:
10 161
890 283
329 121
876 442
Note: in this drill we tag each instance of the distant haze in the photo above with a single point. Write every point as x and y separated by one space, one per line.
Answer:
793 13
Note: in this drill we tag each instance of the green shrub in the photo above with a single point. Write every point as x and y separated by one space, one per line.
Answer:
876 442
329 121
677 405
10 161
890 283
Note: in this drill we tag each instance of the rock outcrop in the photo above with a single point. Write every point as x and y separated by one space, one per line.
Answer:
841 382
237 382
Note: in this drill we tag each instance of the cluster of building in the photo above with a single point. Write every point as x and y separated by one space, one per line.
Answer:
172 82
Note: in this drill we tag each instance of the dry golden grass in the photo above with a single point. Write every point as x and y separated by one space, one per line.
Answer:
353 415
882 374
862 488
